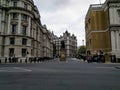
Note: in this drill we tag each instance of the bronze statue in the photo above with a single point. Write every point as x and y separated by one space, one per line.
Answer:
62 51
62 44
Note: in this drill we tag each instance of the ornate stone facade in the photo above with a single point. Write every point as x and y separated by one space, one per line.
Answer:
21 32
70 44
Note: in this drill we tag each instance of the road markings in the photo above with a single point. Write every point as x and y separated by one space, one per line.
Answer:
105 67
14 69
24 69
2 70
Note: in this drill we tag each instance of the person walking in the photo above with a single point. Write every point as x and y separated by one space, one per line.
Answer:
5 59
0 61
26 60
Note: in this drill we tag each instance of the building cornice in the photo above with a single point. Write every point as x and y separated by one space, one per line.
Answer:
97 31
19 9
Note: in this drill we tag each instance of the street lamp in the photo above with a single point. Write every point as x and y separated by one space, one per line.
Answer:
83 42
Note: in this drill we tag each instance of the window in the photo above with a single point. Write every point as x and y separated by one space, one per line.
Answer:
89 20
23 52
14 4
32 43
118 12
25 5
24 28
32 52
37 34
12 41
11 52
14 27
14 15
24 41
24 17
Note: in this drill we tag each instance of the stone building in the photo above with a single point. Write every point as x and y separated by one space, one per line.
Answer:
70 44
102 25
21 32
47 43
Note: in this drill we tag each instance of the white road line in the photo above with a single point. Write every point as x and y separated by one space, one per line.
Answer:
105 67
24 69
2 70
14 69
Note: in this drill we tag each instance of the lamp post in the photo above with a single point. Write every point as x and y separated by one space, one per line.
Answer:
83 42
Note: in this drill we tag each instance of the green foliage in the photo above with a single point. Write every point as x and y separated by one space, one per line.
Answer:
81 50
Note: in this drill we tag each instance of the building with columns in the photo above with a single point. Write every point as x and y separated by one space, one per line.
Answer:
47 43
70 44
102 25
21 31
114 16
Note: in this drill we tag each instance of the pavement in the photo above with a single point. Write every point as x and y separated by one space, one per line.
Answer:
55 75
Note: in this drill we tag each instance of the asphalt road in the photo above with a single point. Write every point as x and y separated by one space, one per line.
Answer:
55 75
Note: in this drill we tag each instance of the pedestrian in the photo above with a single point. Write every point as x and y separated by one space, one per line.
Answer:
12 59
0 61
96 58
5 59
30 59
20 60
25 60
34 59
9 59
89 59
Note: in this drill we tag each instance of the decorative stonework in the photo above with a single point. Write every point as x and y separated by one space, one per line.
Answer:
114 5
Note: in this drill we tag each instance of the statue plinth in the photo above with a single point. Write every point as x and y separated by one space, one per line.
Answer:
62 54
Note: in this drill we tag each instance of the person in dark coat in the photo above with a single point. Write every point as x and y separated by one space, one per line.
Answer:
34 59
9 59
12 59
0 60
26 60
6 60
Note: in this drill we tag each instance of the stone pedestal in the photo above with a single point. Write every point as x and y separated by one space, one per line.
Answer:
63 55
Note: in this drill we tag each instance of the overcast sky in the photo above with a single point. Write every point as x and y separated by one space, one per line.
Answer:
62 15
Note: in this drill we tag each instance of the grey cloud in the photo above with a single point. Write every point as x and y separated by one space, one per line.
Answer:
61 2
52 5
60 15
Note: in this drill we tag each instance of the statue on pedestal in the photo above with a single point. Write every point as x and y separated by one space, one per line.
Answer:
62 45
62 52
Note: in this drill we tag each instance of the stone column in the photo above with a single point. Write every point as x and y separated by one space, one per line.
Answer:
19 24
9 27
0 20
117 40
3 23
29 26
68 46
113 43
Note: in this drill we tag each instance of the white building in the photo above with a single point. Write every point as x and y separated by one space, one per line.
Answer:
21 32
114 17
70 44
47 43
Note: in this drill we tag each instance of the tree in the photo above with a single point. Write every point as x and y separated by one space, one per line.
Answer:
81 50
